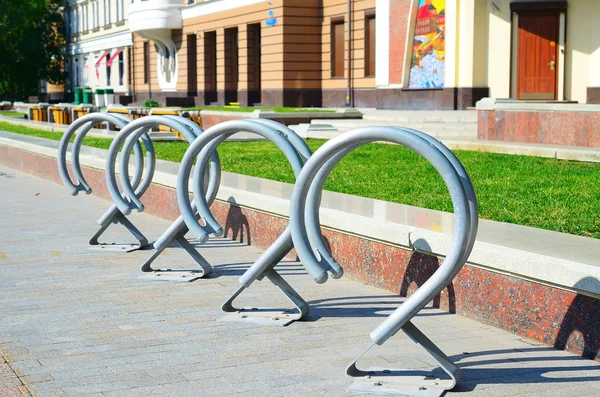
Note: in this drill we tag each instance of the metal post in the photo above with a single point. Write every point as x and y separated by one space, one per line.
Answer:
130 199
264 266
349 89
82 126
307 190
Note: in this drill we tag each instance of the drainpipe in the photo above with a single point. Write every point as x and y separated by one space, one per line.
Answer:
349 91
130 70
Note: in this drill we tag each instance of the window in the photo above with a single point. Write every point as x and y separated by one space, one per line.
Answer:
84 17
146 62
95 15
67 24
74 21
370 45
191 1
337 49
121 65
108 73
120 10
107 15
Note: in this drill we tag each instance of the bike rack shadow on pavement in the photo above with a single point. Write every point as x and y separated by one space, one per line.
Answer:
319 262
81 127
127 138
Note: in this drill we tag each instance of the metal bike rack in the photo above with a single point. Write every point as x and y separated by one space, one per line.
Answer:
318 260
82 126
127 138
295 150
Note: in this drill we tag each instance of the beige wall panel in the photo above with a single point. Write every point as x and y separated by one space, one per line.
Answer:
270 40
270 58
272 49
272 67
335 83
271 84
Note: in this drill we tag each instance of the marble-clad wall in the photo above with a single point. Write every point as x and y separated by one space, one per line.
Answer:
570 128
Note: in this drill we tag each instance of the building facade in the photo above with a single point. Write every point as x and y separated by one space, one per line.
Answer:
395 54
99 46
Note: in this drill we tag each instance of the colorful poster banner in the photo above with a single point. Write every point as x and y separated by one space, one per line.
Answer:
427 65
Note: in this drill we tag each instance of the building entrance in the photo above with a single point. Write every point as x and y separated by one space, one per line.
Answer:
537 56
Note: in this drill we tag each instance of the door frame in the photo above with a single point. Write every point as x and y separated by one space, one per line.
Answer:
557 7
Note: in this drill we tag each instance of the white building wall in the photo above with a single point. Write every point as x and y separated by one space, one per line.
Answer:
96 27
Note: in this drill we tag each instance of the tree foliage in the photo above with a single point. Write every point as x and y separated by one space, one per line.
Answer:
32 45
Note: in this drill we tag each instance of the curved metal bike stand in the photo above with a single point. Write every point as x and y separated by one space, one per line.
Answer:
127 138
81 127
317 259
294 148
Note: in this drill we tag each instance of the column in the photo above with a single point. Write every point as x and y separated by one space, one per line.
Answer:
221 66
466 29
593 86
201 68
382 42
451 41
243 65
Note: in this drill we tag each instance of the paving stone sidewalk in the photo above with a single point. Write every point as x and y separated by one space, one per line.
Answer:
78 322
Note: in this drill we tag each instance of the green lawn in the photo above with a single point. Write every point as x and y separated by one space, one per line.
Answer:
11 113
546 193
277 109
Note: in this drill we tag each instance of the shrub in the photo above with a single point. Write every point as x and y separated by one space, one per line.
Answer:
151 103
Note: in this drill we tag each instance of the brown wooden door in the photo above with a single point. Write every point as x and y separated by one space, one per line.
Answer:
370 50
338 50
537 56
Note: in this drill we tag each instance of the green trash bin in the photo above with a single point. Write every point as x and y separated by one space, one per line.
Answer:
78 93
87 96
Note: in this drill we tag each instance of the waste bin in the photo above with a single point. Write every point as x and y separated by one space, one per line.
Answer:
60 114
99 100
87 96
40 112
78 94
81 111
109 96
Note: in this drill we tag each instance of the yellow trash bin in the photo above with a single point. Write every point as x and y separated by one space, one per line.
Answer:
61 115
40 113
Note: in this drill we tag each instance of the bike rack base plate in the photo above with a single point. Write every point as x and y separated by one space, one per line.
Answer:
115 247
179 276
385 381
263 316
